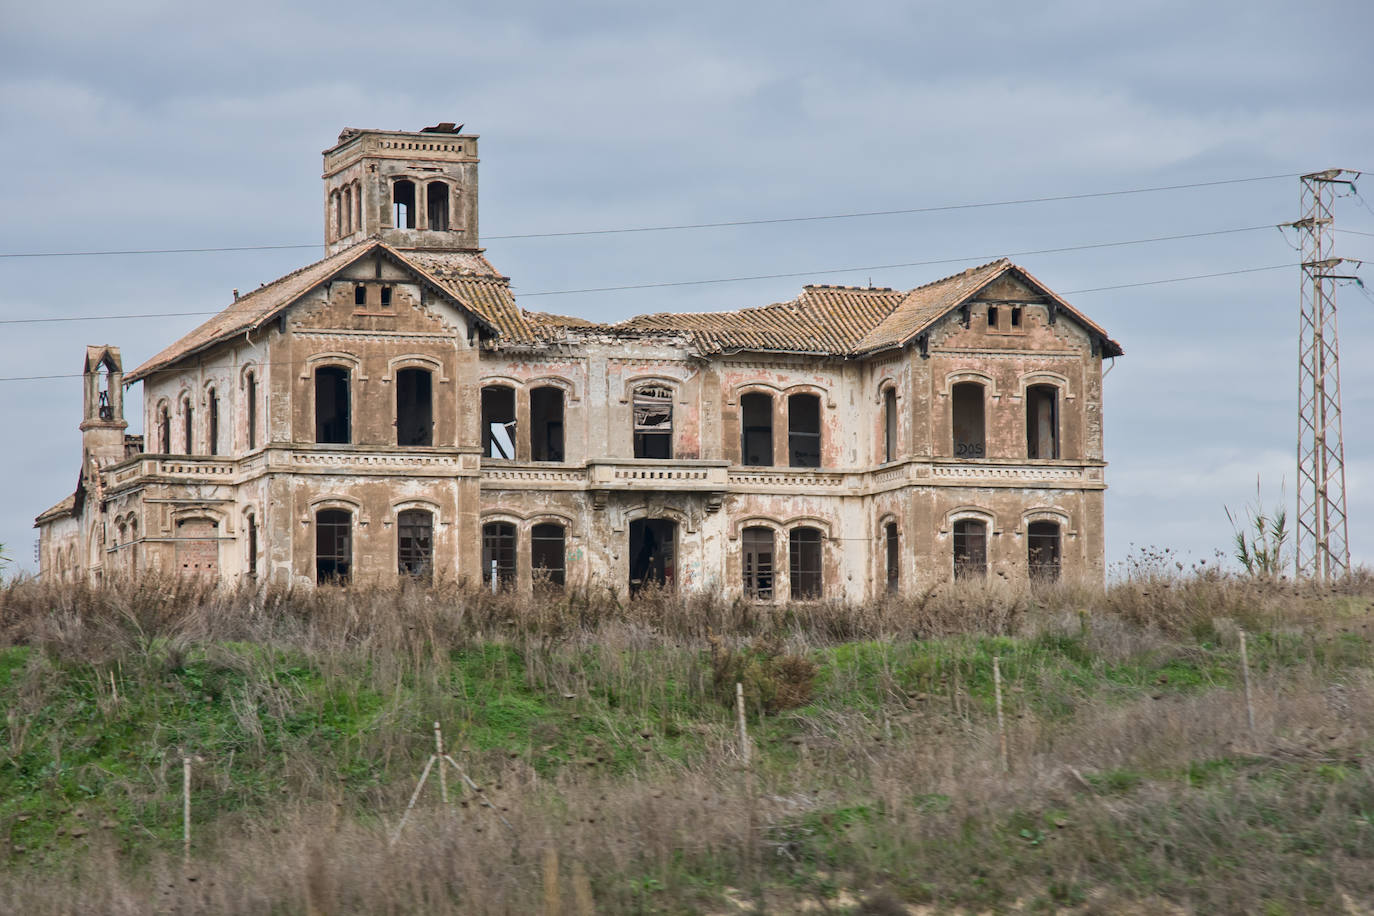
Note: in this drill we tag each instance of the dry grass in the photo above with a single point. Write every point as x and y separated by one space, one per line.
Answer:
1135 783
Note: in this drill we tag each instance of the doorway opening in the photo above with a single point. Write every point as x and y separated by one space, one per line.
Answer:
653 553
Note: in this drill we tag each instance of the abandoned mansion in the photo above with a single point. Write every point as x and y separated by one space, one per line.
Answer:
391 411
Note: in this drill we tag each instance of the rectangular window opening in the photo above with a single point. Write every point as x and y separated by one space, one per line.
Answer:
970 549
893 555
1042 421
1043 551
548 556
756 430
415 544
360 294
498 555
331 405
653 422
546 424
1016 316
414 407
966 405
804 431
992 317
386 297
333 546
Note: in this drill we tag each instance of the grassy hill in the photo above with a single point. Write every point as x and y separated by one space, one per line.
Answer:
605 743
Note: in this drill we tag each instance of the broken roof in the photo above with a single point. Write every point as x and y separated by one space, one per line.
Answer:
843 321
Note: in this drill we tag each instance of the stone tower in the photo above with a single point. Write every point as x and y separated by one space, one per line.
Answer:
410 189
102 422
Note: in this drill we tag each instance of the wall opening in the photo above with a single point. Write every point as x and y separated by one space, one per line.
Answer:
992 317
804 563
758 562
970 549
1042 421
197 548
756 429
333 546
498 422
804 431
1043 551
968 423
894 555
436 199
890 424
360 294
653 421
498 555
164 430
212 426
403 204
653 554
1016 316
252 397
188 426
415 544
548 555
414 407
252 547
331 405
546 424
347 204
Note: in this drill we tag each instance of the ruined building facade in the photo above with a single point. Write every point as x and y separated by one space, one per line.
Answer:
391 411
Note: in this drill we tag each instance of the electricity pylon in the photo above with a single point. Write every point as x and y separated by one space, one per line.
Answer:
1323 550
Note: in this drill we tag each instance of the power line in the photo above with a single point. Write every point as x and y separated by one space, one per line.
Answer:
1095 289
715 225
670 283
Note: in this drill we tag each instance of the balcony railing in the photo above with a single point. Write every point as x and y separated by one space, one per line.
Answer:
647 474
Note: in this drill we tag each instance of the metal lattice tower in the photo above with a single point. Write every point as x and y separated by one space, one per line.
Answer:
1323 550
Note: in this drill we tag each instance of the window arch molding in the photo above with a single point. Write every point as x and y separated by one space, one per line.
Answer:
887 518
545 517
640 381
247 369
1046 514
778 528
507 516
333 358
752 387
810 521
886 382
568 386
346 503
974 513
819 391
970 375
404 505
415 361
501 381
1044 377
218 518
684 520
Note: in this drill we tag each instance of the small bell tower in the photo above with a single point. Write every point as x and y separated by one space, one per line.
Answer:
410 189
103 423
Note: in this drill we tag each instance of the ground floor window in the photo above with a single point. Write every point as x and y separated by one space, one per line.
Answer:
970 549
804 563
415 544
548 555
1043 551
333 546
758 562
893 555
498 555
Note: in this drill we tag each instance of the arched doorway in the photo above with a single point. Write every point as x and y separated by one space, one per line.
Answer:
653 553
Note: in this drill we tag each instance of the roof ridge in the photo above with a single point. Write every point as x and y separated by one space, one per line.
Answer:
966 272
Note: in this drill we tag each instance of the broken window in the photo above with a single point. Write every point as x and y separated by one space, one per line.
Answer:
403 204
548 558
414 407
498 422
967 410
331 405
970 548
359 294
804 431
213 424
890 424
893 555
1042 421
436 197
756 429
653 421
333 546
1042 551
1016 316
187 422
546 424
415 544
758 562
164 430
252 396
386 297
653 550
804 562
498 555
992 317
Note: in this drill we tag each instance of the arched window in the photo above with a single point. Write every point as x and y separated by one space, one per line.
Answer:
333 546
804 431
347 207
970 549
968 429
335 213
498 555
498 422
894 555
546 423
1043 551
653 421
756 429
890 424
757 542
164 430
252 564
1042 421
251 395
332 405
804 563
414 407
188 429
548 555
415 544
436 199
403 204
212 424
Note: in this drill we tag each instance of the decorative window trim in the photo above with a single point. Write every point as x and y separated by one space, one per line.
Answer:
348 361
568 386
811 521
810 388
402 505
1046 514
348 504
643 511
1044 377
888 381
249 369
970 375
545 517
640 381
744 388
501 381
978 513
415 361
757 521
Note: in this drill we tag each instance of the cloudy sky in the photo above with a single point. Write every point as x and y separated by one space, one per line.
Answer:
149 125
